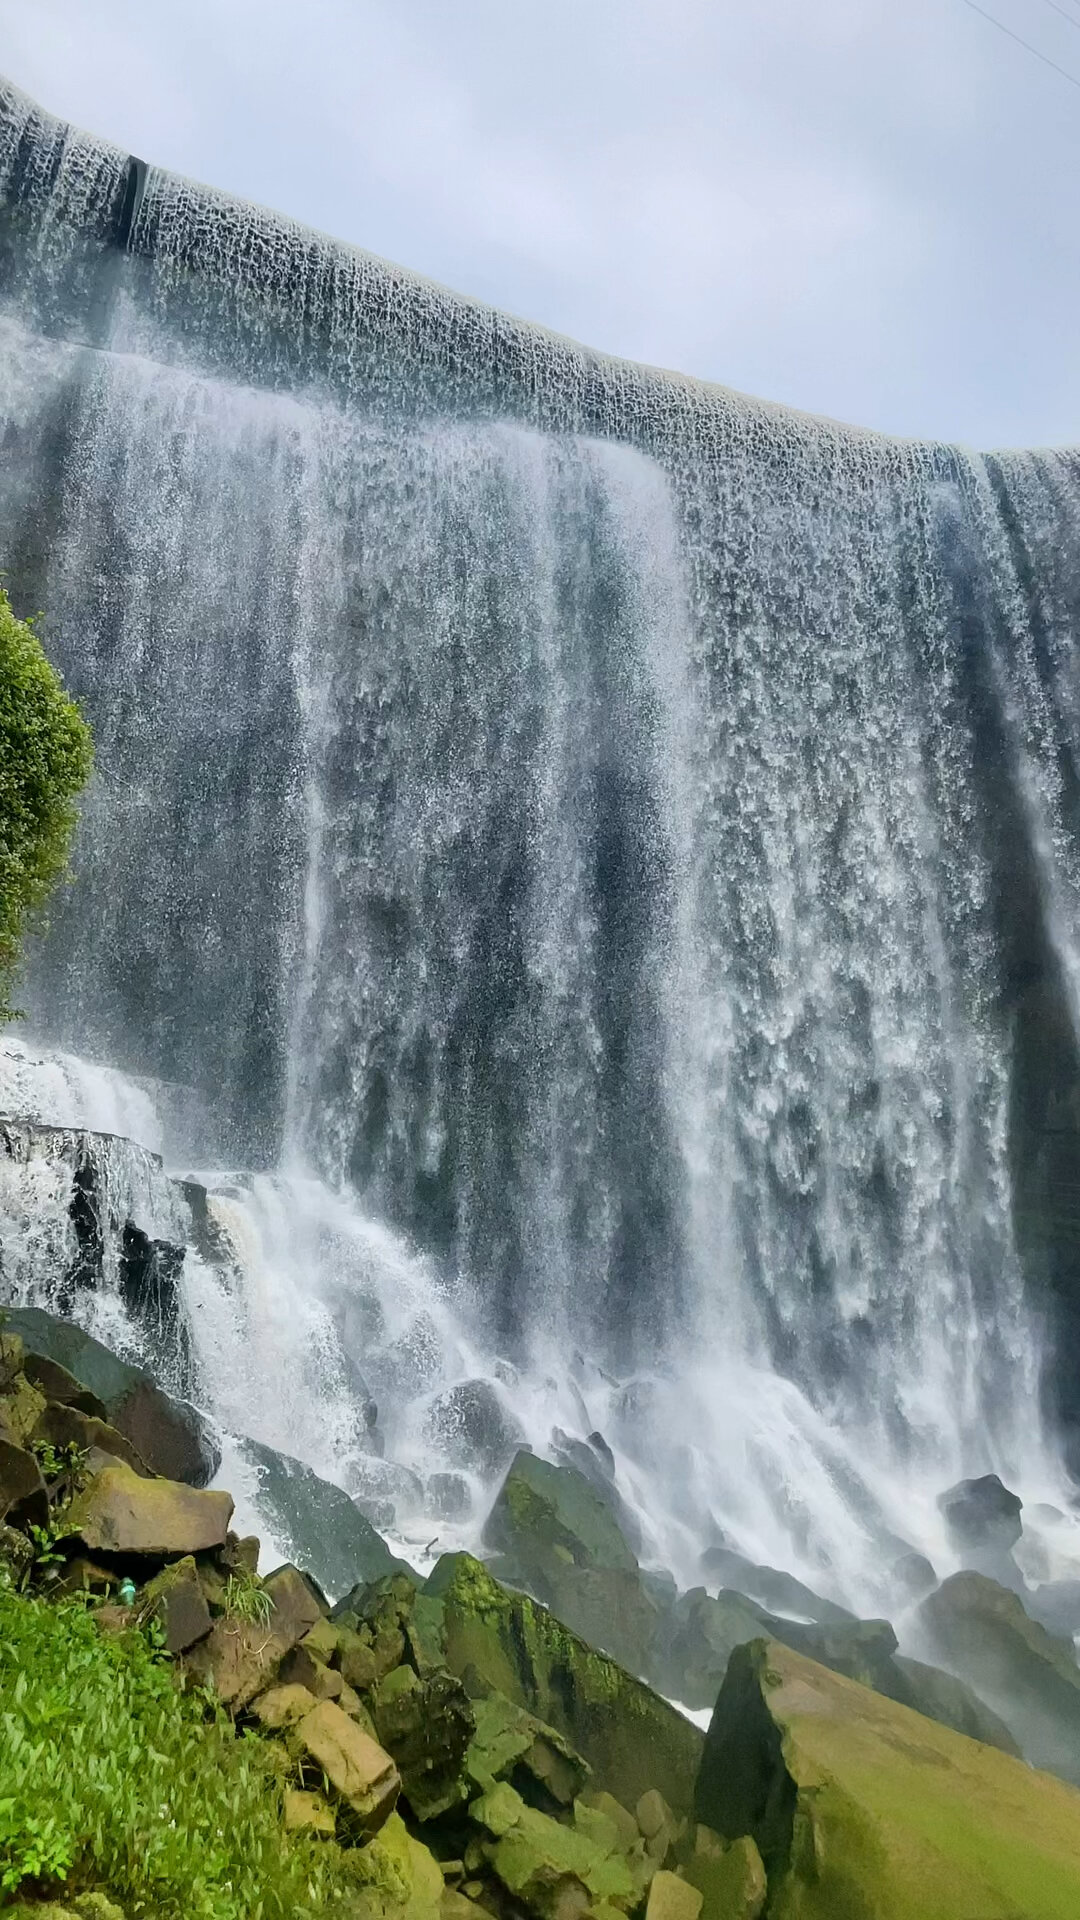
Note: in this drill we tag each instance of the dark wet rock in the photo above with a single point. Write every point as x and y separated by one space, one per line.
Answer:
768 1587
471 1426
149 1278
316 1522
23 1499
384 1490
176 1599
980 1631
498 1640
981 1513
913 1577
61 1387
597 1466
861 1649
859 1806
449 1495
170 1436
426 1724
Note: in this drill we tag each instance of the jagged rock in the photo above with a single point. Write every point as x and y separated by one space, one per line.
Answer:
941 1696
357 1769
861 1649
177 1599
119 1513
240 1658
981 1513
768 1587
58 1385
498 1640
859 1806
729 1875
426 1725
317 1522
307 1813
551 1870
23 1499
700 1633
303 1668
546 1516
169 1435
672 1899
559 1538
65 1426
594 1460
510 1744
981 1632
472 1427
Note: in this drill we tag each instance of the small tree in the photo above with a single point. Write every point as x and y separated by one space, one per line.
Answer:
45 758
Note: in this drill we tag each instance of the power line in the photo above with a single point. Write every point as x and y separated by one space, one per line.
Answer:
1026 44
1065 14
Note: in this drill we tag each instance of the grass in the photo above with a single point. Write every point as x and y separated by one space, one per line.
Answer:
113 1780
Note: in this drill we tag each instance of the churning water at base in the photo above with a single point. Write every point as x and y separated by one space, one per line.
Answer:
601 854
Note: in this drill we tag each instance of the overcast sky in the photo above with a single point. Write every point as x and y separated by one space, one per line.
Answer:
864 207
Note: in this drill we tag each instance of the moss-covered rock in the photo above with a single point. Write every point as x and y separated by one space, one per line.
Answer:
729 1875
117 1512
861 1807
502 1641
510 1744
426 1724
175 1597
550 1868
546 1514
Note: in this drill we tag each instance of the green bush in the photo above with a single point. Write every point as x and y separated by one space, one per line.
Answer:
113 1780
45 758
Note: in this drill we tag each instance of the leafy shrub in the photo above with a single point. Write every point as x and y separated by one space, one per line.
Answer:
45 758
112 1779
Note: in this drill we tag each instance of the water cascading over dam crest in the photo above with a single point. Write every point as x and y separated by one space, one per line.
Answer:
600 851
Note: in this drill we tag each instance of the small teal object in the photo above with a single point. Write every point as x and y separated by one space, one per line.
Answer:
127 1593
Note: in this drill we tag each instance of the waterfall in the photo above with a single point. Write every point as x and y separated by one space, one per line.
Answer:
599 854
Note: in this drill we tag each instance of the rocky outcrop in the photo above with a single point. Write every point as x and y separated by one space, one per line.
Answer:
168 1435
981 1631
122 1515
316 1522
859 1806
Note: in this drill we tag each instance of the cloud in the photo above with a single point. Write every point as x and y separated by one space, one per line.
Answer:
859 208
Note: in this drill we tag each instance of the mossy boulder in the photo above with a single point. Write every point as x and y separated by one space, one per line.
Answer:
502 1641
545 1516
510 1744
551 1869
729 1875
426 1724
169 1435
176 1599
398 1876
860 1807
119 1513
980 1631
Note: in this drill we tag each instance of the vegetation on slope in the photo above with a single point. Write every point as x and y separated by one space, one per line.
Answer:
45 758
111 1778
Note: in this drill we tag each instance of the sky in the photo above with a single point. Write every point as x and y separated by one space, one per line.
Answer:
867 208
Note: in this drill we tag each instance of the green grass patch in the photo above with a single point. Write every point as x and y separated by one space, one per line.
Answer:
113 1780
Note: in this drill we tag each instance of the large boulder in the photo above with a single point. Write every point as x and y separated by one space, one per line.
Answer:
119 1513
358 1772
558 1537
426 1724
861 1807
496 1639
169 1435
471 1426
316 1522
941 1696
981 1513
700 1633
981 1631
